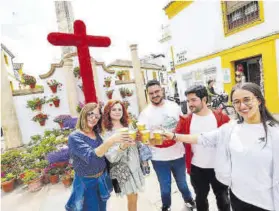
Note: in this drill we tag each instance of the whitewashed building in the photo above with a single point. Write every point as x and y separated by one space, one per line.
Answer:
222 39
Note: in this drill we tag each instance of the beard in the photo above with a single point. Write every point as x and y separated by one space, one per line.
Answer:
196 109
157 103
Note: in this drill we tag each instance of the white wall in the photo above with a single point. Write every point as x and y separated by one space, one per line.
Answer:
25 115
277 59
198 29
183 85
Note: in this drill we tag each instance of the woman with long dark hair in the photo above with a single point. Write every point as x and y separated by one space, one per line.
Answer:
92 184
247 157
124 157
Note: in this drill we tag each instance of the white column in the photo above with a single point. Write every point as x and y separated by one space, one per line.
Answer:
98 81
10 126
139 82
70 86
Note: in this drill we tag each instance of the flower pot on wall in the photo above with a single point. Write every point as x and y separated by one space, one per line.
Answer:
32 86
53 88
107 83
39 107
56 103
61 124
43 122
120 77
8 186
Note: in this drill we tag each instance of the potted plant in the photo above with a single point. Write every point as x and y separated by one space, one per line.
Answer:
67 178
29 80
8 182
126 104
59 158
55 100
77 72
53 172
42 164
33 180
129 92
41 118
36 103
120 74
61 118
79 107
109 94
122 91
53 84
107 81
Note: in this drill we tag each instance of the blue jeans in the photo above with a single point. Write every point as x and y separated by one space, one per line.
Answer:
163 170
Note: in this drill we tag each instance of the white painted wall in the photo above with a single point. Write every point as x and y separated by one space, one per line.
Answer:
198 29
25 115
277 60
184 85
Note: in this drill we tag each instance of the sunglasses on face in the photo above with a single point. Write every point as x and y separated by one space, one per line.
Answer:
91 114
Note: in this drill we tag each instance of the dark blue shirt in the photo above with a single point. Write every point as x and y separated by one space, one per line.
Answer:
85 160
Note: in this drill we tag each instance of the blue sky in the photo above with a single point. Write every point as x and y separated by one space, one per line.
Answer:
25 25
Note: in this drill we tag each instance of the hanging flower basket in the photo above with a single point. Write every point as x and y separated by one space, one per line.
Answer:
61 124
120 74
109 94
77 72
41 118
107 81
36 103
55 100
61 119
53 84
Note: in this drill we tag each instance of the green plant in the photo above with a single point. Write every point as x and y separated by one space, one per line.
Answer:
53 82
40 117
77 72
36 138
50 100
120 73
35 102
8 177
108 78
30 175
41 164
28 79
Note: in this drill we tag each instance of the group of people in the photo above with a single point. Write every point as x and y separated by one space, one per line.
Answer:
239 160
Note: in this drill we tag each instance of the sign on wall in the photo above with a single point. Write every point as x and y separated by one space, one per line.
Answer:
226 76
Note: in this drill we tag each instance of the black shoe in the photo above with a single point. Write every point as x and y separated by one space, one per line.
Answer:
191 204
166 209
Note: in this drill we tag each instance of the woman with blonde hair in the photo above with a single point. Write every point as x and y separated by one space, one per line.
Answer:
124 157
92 184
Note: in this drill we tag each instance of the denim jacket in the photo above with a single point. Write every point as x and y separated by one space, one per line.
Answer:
220 139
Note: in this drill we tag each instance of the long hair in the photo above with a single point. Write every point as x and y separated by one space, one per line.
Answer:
107 122
265 114
82 120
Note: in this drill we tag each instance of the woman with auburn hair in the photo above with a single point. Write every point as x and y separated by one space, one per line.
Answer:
92 184
124 157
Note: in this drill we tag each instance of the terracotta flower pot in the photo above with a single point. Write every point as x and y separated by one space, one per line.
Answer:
61 124
39 107
53 179
56 103
67 182
62 164
107 83
53 88
32 86
120 77
8 186
45 179
109 96
42 122
35 185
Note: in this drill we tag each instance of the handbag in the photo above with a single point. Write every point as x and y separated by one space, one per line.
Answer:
121 172
114 182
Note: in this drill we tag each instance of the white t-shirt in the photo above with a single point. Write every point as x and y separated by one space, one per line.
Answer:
251 165
165 116
203 157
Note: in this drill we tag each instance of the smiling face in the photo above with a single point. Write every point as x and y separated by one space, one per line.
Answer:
195 103
155 94
116 112
93 117
246 104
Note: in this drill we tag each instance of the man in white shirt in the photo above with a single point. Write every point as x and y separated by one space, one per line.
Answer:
169 157
200 160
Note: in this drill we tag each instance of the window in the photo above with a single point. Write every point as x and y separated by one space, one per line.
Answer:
240 14
6 59
127 75
154 75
